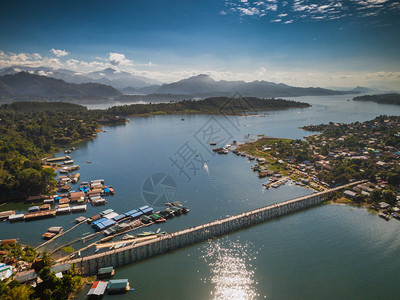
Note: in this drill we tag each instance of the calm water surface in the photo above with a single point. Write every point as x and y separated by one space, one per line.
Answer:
327 252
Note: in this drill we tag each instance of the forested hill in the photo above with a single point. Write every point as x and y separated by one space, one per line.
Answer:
26 86
392 98
214 105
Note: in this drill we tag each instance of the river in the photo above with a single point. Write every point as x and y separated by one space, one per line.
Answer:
328 252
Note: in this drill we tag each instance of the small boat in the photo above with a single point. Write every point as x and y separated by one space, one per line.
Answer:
96 250
145 233
89 162
384 216
128 237
118 246
158 230
213 144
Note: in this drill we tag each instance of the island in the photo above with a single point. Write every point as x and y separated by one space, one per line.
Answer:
392 98
213 105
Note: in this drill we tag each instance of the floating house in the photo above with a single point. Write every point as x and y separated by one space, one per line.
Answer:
6 214
147 210
98 289
63 210
117 286
33 208
106 212
39 214
44 207
78 208
111 215
55 229
17 217
106 272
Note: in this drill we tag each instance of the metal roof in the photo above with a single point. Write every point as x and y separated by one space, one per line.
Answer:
98 288
105 270
26 276
61 268
118 284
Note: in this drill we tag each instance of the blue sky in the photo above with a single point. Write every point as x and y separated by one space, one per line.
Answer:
298 42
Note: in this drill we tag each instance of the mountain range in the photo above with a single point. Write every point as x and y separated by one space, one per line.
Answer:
203 86
109 76
26 86
25 83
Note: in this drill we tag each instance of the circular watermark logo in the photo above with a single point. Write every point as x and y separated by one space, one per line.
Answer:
158 189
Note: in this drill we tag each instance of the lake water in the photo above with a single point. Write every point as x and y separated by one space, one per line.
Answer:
328 252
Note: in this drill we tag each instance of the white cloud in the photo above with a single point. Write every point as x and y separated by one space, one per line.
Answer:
36 56
43 73
117 59
303 77
249 11
59 53
309 10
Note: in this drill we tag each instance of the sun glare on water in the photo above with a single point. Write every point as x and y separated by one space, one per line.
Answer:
231 271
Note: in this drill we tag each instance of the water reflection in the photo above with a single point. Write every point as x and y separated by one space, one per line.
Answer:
231 270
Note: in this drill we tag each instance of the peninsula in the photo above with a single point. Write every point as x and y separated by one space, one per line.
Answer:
339 154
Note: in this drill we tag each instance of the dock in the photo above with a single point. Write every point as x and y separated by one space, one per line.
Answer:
56 159
39 214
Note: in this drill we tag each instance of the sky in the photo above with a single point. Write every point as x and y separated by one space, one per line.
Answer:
327 43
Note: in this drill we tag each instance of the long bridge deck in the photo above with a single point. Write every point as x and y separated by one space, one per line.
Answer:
90 264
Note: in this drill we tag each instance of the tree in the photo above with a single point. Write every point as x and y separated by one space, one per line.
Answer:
376 195
20 292
43 263
30 180
393 178
389 197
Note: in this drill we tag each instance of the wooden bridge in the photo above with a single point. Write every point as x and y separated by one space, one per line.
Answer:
90 264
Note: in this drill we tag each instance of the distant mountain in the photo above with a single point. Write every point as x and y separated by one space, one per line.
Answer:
201 86
204 86
357 89
109 76
26 86
140 91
